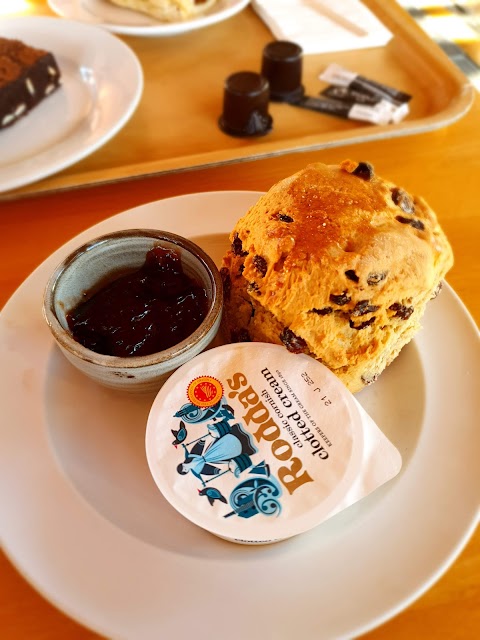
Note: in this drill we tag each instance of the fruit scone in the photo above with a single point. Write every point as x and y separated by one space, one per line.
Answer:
337 263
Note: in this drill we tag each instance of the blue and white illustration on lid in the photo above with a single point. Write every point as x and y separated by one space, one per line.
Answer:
224 447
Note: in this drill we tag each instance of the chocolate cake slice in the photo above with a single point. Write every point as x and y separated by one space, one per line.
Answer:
27 76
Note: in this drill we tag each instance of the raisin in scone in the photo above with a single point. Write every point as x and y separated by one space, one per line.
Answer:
337 263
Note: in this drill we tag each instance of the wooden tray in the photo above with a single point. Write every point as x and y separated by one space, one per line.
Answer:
175 125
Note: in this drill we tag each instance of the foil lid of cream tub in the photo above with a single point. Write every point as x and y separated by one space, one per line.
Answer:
256 444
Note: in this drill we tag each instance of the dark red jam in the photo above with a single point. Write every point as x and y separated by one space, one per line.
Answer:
143 312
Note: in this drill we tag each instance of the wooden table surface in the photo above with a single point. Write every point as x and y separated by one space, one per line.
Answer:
443 166
175 123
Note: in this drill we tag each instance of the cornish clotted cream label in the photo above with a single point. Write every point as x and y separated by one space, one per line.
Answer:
256 444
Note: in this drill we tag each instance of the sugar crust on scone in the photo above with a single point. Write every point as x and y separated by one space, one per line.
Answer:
337 263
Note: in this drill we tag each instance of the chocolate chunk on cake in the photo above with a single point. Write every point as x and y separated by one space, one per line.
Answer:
27 76
336 263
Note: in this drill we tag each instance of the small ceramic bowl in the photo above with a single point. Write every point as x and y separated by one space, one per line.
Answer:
91 266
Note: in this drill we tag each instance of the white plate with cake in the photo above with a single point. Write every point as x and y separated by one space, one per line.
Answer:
82 520
149 17
90 84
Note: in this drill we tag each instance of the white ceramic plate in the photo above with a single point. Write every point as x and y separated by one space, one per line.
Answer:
135 23
102 83
83 522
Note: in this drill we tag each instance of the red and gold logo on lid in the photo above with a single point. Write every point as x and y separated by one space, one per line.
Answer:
204 391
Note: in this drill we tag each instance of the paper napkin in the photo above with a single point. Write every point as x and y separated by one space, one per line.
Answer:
321 26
